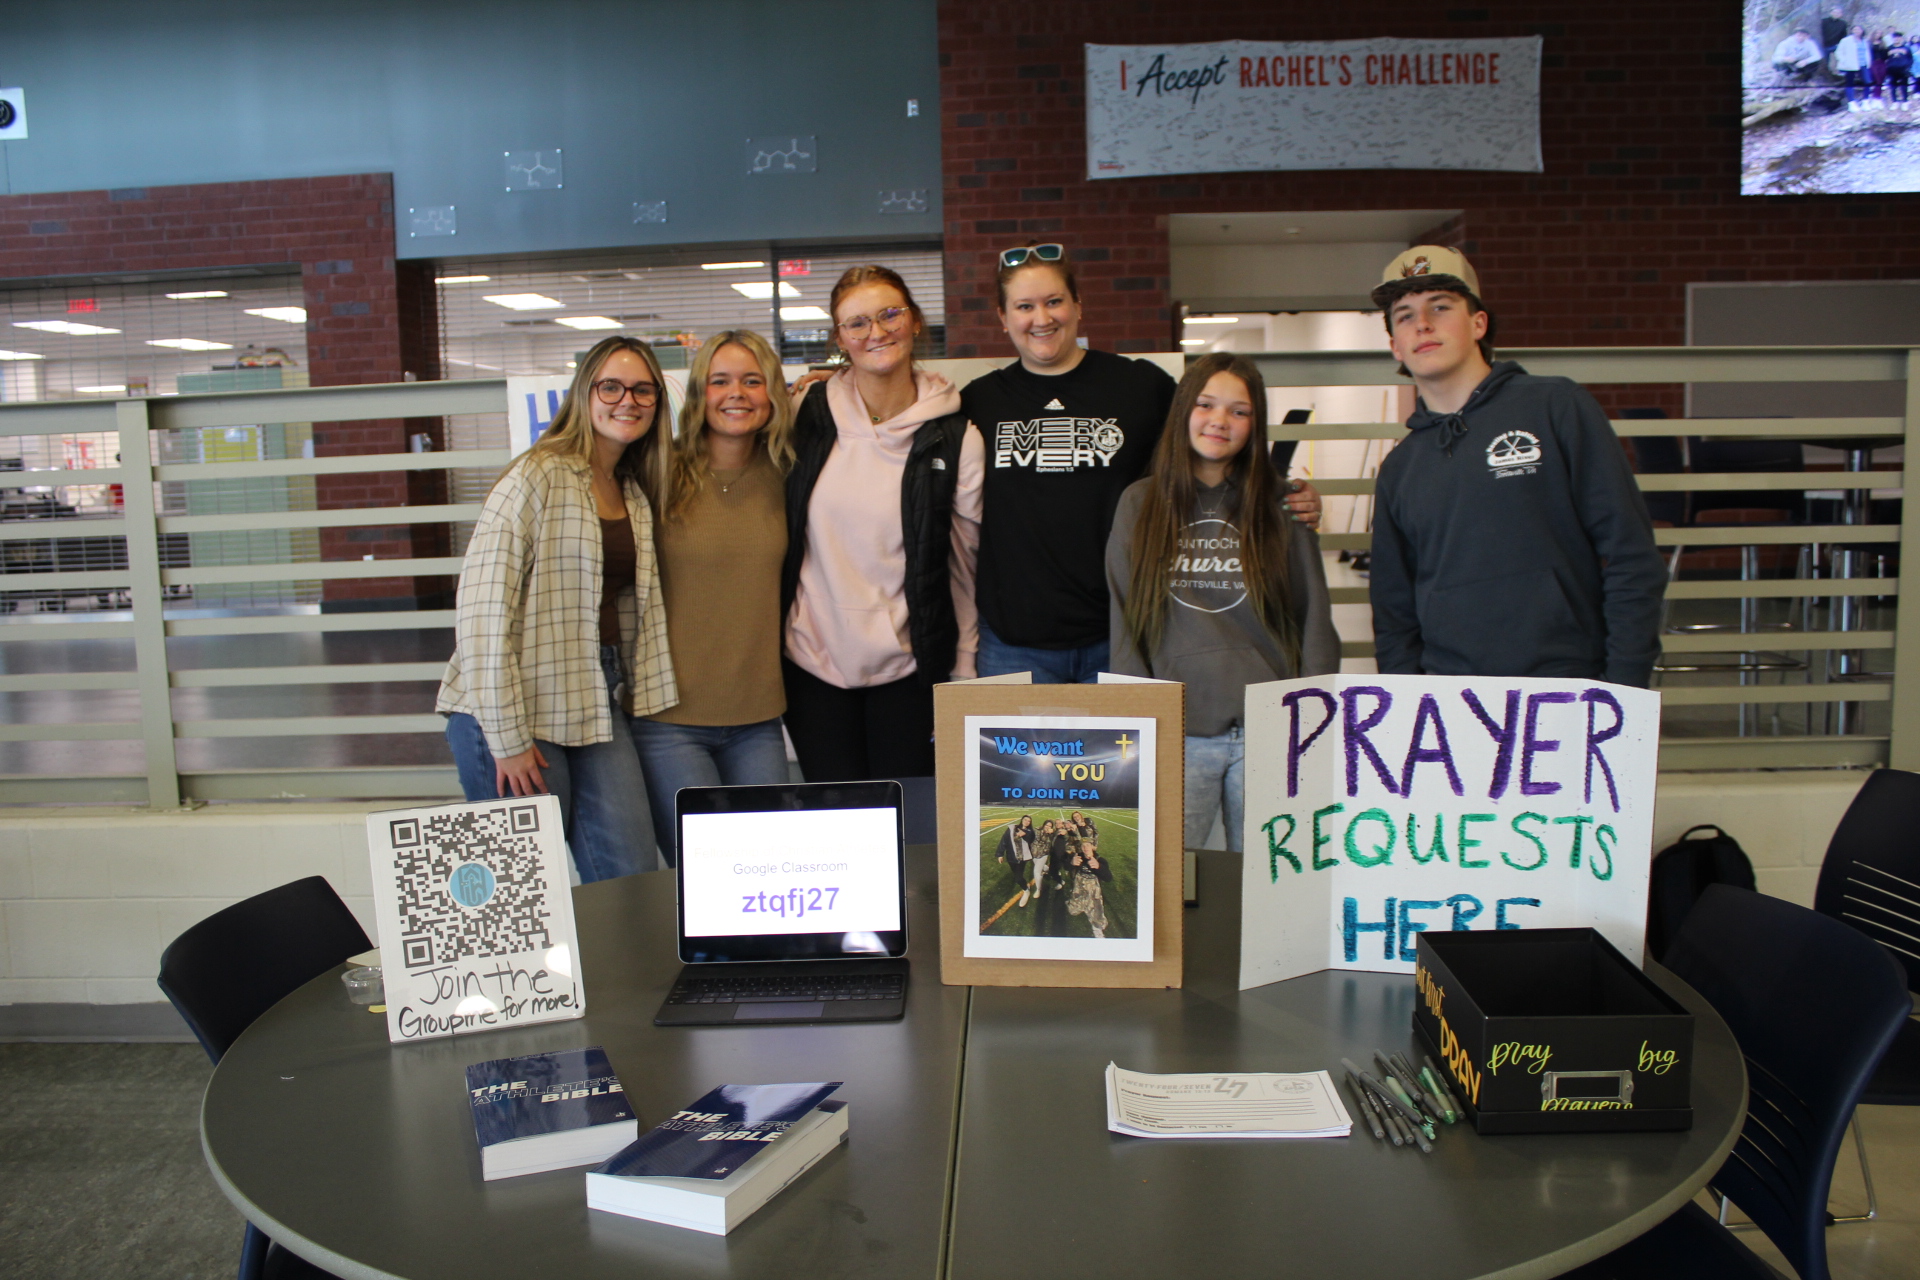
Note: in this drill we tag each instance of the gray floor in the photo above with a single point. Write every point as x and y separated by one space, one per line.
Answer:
101 1174
100 1167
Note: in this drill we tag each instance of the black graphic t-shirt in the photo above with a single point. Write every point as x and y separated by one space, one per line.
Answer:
1059 451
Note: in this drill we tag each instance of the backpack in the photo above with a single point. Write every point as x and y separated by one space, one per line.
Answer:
1681 873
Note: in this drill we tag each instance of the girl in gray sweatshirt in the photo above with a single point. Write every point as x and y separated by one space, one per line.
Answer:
1211 584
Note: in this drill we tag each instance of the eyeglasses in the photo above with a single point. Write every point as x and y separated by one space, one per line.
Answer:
1033 252
889 320
613 391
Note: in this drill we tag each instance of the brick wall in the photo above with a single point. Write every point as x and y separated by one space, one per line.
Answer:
1640 132
367 321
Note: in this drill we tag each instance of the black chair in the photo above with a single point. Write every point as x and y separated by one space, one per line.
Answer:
1814 1005
1871 880
226 971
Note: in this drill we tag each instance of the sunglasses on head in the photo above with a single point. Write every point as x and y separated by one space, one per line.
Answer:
1033 253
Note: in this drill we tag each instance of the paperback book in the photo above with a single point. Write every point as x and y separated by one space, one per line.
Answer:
547 1111
711 1165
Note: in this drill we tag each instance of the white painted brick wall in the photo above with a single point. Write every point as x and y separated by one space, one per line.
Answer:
1782 820
89 897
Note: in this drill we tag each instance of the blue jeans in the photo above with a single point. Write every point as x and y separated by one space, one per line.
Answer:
1216 780
603 797
1049 666
692 755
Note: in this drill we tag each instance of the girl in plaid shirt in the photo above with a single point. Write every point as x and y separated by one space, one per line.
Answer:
560 628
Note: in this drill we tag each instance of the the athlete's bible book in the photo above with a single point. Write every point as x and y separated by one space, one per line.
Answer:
708 1167
547 1111
475 917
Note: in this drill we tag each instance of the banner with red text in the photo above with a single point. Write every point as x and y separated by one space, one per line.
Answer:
1343 104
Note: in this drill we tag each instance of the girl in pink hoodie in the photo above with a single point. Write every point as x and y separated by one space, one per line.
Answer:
883 514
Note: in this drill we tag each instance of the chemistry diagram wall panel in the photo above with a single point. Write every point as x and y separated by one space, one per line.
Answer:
642 102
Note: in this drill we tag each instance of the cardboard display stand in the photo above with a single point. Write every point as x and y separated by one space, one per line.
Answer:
1113 752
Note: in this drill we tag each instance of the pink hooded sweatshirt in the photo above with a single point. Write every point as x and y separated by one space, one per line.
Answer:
848 625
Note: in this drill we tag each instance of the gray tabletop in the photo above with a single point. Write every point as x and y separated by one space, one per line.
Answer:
1043 1190
361 1156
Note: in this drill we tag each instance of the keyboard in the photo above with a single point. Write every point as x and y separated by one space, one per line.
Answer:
773 988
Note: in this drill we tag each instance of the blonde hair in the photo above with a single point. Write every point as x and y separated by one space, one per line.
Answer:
687 470
571 435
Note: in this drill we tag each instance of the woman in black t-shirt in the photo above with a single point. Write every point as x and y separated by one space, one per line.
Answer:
1066 429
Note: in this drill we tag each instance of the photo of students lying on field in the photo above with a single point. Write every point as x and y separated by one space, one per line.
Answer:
1060 852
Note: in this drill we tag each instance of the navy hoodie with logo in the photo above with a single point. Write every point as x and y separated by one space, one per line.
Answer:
1509 539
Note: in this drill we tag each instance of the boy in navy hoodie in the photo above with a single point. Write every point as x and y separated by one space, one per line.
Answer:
1509 537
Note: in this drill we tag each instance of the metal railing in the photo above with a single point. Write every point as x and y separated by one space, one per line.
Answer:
1900 745
146 579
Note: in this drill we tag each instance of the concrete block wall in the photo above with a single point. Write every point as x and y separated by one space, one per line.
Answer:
89 897
1783 821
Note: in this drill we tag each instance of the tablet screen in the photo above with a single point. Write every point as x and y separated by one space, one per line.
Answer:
804 871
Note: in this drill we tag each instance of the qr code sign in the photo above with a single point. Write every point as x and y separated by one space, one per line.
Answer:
469 885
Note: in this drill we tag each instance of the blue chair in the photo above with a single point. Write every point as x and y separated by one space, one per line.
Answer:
1871 880
230 968
1814 1005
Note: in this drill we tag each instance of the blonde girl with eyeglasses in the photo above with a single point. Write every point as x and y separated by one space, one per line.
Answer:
883 526
560 629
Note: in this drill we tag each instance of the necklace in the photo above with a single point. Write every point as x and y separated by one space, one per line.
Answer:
726 486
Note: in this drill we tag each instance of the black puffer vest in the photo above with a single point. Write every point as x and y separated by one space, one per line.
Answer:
926 518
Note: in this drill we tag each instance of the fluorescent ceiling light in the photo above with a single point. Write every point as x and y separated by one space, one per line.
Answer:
21 355
763 289
202 293
118 389
190 344
587 322
292 315
1195 342
523 301
804 313
62 326
461 279
1213 319
730 266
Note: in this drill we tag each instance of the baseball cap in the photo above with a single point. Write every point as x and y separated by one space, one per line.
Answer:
1429 263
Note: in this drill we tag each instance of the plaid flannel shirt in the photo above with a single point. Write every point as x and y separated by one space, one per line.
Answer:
526 657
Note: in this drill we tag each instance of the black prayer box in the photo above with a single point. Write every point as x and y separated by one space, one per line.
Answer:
1552 1031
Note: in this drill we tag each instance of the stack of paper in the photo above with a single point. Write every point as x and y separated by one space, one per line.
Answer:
1258 1104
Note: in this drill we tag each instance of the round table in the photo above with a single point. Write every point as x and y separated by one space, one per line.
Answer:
978 1145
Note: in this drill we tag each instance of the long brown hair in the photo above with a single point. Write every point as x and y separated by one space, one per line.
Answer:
688 467
1254 507
571 436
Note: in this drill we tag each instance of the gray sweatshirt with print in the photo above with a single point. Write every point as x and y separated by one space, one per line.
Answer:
1211 641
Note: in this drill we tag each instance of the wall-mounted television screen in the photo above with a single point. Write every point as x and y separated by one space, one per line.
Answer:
1828 98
